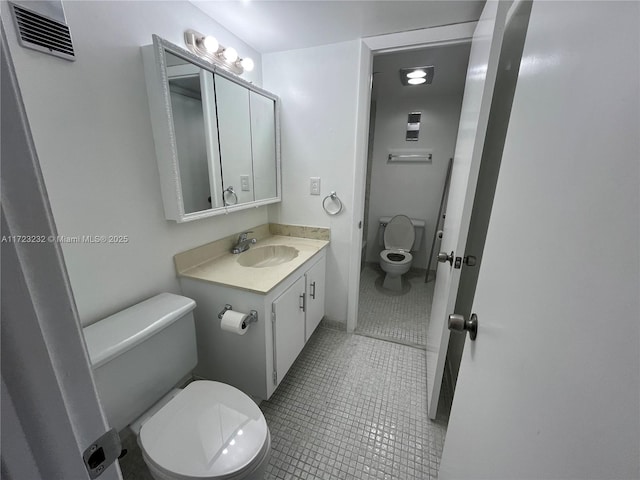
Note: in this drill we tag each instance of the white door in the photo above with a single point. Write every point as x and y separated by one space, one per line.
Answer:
50 408
550 388
478 92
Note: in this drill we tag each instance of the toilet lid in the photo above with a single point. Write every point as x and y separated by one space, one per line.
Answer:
209 429
399 233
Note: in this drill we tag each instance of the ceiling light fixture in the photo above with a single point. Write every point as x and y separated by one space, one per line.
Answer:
417 75
209 49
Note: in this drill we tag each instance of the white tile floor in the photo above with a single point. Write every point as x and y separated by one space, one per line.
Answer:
389 315
353 407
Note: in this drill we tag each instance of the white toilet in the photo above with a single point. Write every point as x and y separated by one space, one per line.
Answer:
401 235
206 431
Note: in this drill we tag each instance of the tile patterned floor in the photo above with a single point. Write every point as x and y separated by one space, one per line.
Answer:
353 407
132 465
387 315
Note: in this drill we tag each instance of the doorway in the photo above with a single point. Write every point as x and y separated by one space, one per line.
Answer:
412 136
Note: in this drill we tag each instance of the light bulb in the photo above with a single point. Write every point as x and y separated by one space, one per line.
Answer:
247 64
230 54
416 81
210 44
417 74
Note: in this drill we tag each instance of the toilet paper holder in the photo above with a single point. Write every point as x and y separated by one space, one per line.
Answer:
253 315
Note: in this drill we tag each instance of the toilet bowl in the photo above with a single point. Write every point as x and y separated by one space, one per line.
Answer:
396 259
206 431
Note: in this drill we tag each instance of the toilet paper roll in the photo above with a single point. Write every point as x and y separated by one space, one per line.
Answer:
234 322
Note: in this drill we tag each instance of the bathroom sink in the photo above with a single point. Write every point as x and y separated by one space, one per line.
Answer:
267 256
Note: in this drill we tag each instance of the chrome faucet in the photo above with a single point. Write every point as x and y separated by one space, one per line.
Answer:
243 243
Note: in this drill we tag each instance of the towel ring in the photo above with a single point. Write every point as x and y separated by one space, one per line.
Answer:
333 196
224 196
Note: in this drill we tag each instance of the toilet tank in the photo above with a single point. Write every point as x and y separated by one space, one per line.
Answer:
139 354
418 227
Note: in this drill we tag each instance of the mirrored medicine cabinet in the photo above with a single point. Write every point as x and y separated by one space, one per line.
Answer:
217 136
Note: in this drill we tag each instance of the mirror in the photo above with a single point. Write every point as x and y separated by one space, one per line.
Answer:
216 135
232 102
263 142
194 123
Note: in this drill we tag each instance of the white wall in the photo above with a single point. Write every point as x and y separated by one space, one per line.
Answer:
319 91
413 189
92 131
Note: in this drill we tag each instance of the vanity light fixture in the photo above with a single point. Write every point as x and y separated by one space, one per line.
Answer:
230 54
208 48
247 64
210 44
417 75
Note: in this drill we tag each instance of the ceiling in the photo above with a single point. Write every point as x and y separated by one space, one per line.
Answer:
276 25
450 62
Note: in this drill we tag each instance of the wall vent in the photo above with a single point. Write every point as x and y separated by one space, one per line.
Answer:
42 33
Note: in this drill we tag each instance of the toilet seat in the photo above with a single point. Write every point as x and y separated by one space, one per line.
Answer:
399 234
210 430
388 256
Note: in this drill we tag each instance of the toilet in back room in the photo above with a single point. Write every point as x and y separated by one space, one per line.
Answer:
401 235
208 430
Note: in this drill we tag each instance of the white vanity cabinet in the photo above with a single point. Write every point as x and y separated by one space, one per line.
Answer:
257 361
295 315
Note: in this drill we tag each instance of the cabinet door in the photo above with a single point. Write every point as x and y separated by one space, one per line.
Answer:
288 336
234 132
315 297
263 146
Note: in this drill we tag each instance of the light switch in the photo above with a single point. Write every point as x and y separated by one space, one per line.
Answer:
315 186
244 183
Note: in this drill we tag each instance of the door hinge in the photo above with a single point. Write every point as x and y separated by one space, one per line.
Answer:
273 317
102 453
275 377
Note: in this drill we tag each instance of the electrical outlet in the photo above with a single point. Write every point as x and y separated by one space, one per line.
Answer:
244 183
315 186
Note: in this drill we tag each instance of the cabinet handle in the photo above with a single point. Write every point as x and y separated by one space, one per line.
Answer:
313 290
303 302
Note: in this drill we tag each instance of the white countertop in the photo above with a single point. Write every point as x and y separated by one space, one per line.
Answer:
226 270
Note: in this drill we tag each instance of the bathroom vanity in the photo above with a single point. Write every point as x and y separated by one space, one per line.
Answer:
280 277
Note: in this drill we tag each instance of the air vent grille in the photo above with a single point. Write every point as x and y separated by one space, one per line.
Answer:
39 32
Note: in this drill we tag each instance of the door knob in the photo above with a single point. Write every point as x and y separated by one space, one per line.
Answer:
470 260
459 324
445 257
